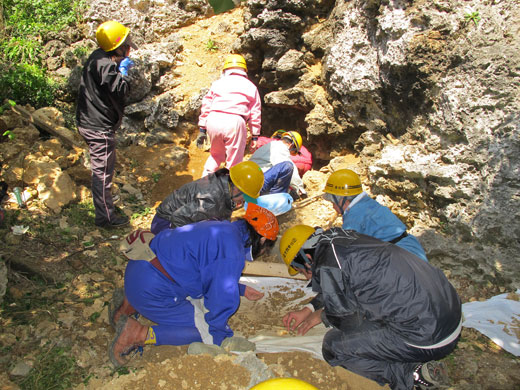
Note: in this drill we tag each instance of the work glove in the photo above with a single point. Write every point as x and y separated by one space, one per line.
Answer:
201 138
303 195
125 65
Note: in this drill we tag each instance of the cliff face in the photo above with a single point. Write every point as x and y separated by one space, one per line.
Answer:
426 93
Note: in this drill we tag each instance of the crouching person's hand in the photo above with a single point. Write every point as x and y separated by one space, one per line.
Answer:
302 321
252 294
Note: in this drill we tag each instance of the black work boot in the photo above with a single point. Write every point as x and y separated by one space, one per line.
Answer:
118 221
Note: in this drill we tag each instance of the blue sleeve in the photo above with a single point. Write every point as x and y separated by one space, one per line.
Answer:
221 295
370 218
241 289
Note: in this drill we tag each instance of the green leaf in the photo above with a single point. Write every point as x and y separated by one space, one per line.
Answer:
220 6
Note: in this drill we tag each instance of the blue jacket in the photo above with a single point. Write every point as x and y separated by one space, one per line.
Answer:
368 217
206 259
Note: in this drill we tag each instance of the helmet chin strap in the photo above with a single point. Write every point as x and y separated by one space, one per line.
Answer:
340 202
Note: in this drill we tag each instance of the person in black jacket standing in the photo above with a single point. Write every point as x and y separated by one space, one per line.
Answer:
392 314
100 105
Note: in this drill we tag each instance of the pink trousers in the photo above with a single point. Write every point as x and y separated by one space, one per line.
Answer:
228 136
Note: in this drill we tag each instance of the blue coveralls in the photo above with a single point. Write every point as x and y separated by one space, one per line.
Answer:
277 179
368 217
205 259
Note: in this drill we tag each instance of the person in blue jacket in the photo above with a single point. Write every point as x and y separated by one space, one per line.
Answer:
365 215
191 287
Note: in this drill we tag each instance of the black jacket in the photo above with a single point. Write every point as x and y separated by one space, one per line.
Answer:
360 276
206 198
101 94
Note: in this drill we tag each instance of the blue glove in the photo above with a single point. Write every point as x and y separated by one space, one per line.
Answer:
125 64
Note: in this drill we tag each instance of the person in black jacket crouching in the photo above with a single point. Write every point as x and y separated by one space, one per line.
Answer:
213 196
392 314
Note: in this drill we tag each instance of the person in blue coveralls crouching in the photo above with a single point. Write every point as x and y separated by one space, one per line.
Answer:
191 287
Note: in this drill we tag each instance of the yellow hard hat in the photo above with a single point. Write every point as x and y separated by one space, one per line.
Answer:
110 35
278 134
291 243
283 384
295 137
248 178
235 61
344 182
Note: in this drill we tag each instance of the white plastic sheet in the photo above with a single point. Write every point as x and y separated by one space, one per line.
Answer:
498 318
312 340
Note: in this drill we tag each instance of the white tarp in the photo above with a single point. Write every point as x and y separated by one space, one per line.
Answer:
498 318
312 340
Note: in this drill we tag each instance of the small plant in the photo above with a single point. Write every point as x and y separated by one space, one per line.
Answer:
8 103
81 213
27 84
94 316
81 51
472 17
9 134
53 369
156 177
211 45
143 213
134 163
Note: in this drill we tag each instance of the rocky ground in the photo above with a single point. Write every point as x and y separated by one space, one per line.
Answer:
54 313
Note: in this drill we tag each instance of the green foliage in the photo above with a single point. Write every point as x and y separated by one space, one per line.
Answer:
81 51
27 84
22 49
94 316
142 213
8 104
122 371
9 134
220 6
472 17
156 177
27 23
39 17
81 214
53 369
211 45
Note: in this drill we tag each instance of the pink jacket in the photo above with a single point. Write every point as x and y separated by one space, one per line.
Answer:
233 93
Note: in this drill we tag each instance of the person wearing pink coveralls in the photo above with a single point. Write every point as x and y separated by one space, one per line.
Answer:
232 102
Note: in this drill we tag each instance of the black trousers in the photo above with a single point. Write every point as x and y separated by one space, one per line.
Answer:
102 149
377 352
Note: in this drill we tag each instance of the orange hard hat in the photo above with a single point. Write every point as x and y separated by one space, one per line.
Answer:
263 221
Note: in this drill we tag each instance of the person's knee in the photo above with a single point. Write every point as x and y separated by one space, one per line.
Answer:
286 168
329 345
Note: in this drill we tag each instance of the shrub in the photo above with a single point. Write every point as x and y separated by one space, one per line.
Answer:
26 84
23 76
